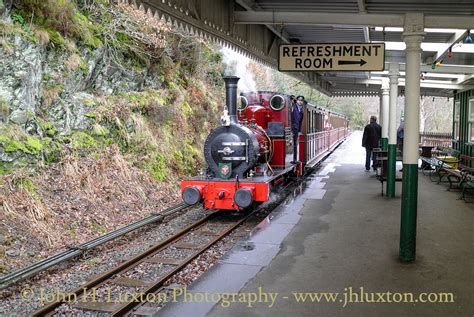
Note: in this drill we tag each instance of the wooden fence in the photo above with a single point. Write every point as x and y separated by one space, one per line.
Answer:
436 138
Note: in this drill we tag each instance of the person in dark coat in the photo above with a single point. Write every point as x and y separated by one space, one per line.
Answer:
371 140
296 123
400 135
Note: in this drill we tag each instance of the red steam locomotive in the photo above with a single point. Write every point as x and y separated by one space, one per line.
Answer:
251 152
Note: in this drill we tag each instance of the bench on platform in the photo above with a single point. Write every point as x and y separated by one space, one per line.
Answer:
382 168
445 152
463 176
445 158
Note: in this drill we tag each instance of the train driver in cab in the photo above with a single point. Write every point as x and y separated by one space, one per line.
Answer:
296 122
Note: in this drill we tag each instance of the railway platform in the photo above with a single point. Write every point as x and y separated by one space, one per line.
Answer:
332 250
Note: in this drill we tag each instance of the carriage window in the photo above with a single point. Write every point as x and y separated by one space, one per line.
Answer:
277 102
242 103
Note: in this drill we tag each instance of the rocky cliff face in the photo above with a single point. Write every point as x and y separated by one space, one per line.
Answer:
51 84
5 7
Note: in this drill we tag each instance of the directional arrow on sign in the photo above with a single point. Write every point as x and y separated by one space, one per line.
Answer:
361 62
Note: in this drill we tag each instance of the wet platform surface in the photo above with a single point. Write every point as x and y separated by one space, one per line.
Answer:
337 234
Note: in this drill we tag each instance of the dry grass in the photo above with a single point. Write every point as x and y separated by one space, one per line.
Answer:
7 46
74 201
42 36
51 94
73 62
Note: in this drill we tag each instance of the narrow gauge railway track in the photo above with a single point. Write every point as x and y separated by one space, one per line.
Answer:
72 252
146 273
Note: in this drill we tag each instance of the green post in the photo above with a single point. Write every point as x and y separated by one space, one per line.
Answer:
392 163
384 144
409 210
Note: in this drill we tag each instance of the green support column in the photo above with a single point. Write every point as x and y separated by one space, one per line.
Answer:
413 36
384 112
392 130
392 156
409 211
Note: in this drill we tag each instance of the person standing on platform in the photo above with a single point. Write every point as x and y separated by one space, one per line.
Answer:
296 123
400 134
371 140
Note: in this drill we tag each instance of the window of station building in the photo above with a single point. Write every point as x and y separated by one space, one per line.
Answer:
457 106
277 102
471 119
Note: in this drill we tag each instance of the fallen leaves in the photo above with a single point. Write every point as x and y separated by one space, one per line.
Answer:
75 201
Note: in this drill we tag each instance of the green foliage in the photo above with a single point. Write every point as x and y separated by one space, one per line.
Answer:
357 117
82 140
157 167
89 102
47 76
33 145
186 158
49 129
14 140
187 110
86 30
56 38
185 74
3 169
53 151
26 184
60 18
11 145
93 262
100 130
98 227
16 18
70 231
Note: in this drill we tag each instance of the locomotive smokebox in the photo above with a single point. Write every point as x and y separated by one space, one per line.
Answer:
231 96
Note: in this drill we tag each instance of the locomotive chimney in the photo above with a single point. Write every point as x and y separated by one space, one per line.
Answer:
231 96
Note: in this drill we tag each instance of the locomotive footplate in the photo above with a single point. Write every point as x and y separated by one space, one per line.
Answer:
218 193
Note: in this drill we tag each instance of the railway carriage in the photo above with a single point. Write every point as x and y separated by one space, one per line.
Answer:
251 152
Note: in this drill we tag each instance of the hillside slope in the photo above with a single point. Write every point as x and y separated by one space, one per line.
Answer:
102 109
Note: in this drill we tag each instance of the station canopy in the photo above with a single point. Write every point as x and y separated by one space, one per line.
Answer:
447 57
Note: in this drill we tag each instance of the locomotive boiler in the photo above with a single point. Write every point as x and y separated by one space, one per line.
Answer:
233 149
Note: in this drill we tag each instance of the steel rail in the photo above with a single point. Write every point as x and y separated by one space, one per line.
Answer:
45 264
127 307
123 266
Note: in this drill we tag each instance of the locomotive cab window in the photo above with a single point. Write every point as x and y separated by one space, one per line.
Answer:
277 103
242 103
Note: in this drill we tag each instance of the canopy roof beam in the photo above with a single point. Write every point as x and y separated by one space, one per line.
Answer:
354 19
